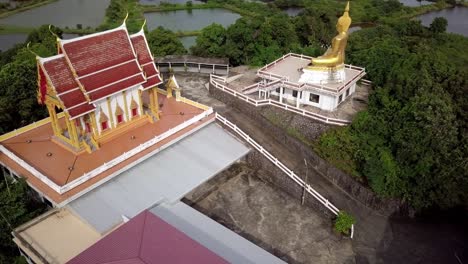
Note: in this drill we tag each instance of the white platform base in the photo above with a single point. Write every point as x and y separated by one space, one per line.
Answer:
322 77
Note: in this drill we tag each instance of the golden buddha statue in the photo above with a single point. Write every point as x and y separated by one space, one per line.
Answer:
335 55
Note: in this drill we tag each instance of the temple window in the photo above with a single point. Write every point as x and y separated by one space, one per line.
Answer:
134 111
104 125
347 92
340 98
278 90
88 127
314 98
294 93
119 114
134 108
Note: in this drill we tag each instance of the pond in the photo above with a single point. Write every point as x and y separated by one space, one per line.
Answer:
293 11
9 40
457 18
61 13
415 2
157 2
183 20
188 41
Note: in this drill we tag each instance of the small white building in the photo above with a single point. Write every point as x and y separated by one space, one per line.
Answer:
281 78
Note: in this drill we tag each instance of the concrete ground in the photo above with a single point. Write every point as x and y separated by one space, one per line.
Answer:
378 238
270 218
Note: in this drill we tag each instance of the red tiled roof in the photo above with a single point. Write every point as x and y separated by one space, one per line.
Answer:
111 75
148 239
151 82
111 89
150 69
60 74
67 89
99 52
139 44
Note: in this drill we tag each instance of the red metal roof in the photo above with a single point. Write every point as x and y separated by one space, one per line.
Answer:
98 52
147 239
110 75
139 44
60 74
111 89
151 82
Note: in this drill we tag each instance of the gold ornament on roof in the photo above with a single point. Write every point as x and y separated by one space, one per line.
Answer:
335 55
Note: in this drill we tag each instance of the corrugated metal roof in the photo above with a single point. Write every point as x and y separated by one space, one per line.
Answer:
217 238
167 176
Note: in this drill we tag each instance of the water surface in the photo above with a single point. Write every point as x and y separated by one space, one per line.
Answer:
188 41
61 13
183 20
457 18
9 40
415 2
157 2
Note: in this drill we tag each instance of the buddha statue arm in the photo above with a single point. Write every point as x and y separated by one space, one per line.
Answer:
332 56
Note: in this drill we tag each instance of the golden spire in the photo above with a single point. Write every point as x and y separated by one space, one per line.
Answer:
143 26
53 33
125 19
30 50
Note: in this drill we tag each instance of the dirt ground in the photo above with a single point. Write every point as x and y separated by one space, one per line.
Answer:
270 218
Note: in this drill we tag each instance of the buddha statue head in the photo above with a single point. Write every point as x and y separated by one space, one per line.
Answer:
344 21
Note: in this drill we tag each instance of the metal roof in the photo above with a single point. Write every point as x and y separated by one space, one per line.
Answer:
167 176
217 238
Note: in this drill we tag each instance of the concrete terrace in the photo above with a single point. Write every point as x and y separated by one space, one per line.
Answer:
63 166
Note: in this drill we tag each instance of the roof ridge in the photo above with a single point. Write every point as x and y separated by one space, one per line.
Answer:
66 41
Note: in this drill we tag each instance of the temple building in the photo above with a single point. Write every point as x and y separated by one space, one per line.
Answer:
323 82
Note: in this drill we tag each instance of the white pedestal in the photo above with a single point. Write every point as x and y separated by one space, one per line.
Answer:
316 76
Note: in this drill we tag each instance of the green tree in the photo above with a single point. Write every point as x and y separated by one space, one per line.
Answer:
211 41
438 25
16 208
164 42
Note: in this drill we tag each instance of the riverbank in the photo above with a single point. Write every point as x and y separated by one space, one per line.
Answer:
209 5
27 7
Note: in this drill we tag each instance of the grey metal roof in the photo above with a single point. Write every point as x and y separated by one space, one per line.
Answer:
167 176
219 239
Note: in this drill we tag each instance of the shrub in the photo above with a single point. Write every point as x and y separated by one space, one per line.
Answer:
343 222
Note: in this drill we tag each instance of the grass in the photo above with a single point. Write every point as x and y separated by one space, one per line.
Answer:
8 29
33 4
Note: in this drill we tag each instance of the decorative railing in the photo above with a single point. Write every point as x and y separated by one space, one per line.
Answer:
133 152
106 165
262 72
219 83
298 180
27 128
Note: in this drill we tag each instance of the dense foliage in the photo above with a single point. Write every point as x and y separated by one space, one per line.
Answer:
412 142
16 208
344 222
18 80
164 42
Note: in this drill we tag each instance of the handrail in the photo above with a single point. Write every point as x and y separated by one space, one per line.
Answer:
303 112
134 151
325 202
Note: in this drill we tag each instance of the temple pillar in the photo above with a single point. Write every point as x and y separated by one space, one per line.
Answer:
111 115
72 132
154 102
94 128
54 119
127 116
169 91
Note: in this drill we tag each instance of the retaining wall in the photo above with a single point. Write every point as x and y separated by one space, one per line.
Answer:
311 130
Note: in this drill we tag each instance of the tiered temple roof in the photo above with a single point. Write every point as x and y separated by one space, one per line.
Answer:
93 67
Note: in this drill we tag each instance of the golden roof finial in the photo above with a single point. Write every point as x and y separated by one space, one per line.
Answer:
30 50
125 19
347 7
143 26
53 33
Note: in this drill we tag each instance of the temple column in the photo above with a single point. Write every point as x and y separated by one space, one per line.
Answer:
281 94
169 91
154 102
54 119
72 132
94 128
127 116
111 115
